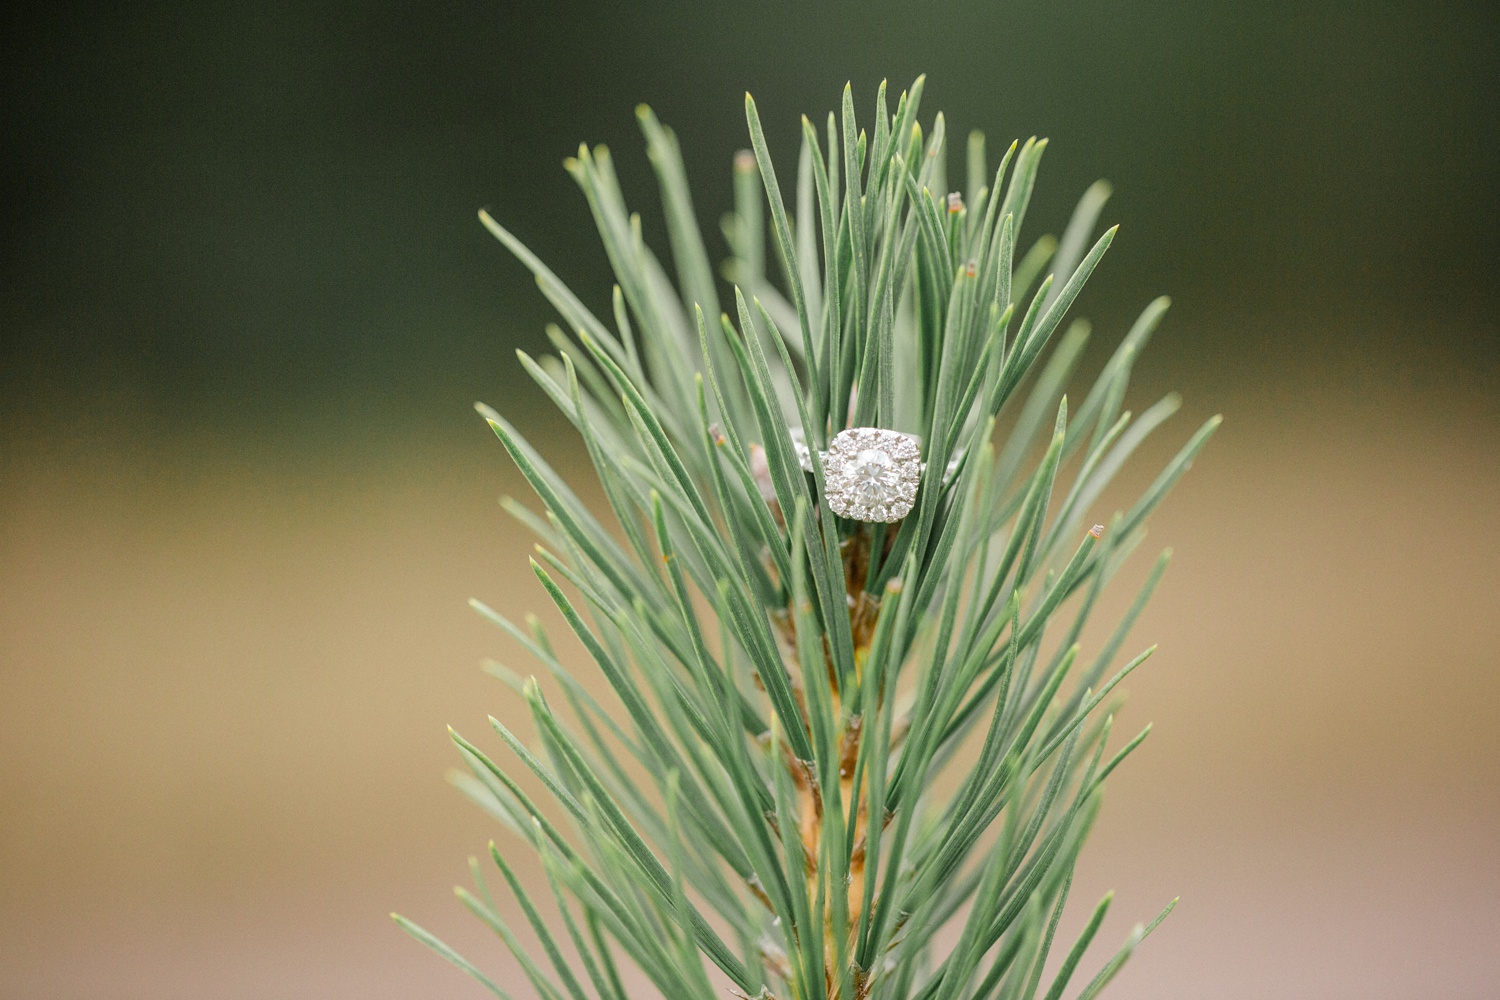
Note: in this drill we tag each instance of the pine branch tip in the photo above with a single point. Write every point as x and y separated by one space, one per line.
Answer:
746 566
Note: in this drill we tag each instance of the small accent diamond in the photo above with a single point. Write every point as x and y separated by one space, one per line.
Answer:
799 446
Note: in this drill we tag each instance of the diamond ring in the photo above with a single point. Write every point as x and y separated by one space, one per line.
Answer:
872 474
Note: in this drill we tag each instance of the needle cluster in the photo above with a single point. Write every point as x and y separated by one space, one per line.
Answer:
846 759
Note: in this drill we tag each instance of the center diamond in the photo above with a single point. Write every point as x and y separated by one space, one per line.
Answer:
872 475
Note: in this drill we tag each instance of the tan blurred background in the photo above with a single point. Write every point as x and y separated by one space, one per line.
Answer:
243 500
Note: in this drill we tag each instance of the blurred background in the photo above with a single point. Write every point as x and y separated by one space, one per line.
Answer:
246 307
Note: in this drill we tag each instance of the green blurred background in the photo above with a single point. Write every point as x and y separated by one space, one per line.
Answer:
246 306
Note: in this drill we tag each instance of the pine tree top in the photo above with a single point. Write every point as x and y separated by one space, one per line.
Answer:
842 612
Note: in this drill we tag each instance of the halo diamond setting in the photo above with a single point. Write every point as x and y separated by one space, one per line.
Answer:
872 474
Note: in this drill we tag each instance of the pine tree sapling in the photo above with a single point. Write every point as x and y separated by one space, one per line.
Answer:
842 604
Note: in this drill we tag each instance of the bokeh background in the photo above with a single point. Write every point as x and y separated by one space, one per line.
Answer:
246 306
